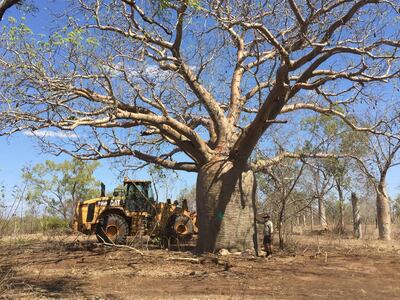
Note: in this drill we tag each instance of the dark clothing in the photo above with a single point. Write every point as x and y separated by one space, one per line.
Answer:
267 239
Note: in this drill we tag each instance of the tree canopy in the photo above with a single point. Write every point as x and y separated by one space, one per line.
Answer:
59 186
154 79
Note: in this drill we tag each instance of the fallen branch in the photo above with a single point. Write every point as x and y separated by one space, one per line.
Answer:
126 247
188 259
121 246
203 260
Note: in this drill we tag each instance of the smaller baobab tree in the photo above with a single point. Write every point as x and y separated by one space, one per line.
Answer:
322 184
384 154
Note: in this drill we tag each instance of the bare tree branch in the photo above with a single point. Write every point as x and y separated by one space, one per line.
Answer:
6 4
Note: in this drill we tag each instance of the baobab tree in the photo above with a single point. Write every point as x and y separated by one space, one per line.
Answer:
384 154
197 85
322 184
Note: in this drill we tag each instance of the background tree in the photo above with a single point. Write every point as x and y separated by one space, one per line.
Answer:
320 187
59 186
328 134
12 209
163 179
196 86
338 171
396 209
282 197
357 230
188 193
384 155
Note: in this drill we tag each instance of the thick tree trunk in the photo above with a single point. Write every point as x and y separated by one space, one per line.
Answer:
225 198
322 213
383 212
356 216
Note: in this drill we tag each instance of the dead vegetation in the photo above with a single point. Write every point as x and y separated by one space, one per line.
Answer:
75 267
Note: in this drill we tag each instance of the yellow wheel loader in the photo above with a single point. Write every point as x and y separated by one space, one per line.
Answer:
132 211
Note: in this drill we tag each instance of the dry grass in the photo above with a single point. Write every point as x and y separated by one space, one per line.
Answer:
76 267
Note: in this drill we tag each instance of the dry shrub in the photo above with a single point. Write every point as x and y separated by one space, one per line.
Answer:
6 275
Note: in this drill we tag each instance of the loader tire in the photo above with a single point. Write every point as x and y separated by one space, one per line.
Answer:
112 229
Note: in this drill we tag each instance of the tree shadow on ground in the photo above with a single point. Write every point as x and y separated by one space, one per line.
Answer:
59 287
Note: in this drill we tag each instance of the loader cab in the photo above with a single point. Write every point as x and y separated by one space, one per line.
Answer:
139 195
119 192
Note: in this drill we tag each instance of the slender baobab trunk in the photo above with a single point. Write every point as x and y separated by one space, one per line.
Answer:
322 213
356 216
311 218
280 223
341 210
383 211
226 207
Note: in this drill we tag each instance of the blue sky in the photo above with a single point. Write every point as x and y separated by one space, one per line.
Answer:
20 150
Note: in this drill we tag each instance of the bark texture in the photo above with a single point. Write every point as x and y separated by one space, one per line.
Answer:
383 213
311 217
356 216
322 213
340 227
226 207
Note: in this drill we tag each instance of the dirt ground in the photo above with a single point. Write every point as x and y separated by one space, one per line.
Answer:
77 268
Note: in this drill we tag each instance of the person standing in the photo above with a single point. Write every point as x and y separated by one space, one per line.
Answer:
268 235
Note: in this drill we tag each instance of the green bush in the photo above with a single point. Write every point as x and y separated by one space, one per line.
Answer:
53 223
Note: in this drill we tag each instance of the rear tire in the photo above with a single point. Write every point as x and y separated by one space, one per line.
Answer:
112 229
183 228
179 229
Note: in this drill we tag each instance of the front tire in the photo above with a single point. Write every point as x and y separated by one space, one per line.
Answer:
112 229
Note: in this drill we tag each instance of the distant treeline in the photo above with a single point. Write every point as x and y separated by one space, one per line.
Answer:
29 224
